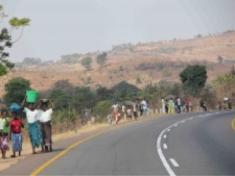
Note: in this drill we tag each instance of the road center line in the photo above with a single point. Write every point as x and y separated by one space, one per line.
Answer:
174 163
163 159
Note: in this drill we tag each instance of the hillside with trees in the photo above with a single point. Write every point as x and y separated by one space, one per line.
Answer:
139 64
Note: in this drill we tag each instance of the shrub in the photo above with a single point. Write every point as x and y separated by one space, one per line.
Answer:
3 70
102 109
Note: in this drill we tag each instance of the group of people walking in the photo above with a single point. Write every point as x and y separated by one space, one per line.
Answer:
38 123
175 105
128 110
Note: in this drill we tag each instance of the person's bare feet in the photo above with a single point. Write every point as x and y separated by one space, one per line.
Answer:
13 156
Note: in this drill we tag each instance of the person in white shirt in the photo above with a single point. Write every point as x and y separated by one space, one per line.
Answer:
34 130
45 115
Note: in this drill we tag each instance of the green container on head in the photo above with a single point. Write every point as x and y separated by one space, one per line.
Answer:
31 96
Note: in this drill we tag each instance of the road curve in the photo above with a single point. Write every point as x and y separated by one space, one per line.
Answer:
185 144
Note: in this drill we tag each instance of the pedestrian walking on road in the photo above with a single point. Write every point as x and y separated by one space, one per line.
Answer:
171 106
115 112
45 116
178 104
144 106
135 113
4 132
34 129
163 102
16 136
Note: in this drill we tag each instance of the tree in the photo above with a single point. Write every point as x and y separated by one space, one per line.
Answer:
102 93
65 86
6 41
124 91
83 98
16 89
61 99
194 78
101 59
86 62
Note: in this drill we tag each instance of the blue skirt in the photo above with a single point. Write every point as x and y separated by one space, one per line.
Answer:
16 142
35 134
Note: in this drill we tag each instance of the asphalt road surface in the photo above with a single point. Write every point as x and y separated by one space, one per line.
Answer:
186 144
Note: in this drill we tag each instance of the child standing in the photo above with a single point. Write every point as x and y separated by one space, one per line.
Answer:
16 136
4 132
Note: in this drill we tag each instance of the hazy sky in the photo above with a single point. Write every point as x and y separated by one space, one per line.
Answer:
76 26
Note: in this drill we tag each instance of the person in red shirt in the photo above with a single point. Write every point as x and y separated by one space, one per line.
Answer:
16 136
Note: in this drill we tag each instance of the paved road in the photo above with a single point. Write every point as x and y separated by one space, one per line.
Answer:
197 144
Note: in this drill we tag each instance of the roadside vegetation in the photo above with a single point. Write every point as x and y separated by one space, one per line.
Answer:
76 105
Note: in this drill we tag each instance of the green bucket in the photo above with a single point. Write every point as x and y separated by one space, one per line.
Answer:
31 96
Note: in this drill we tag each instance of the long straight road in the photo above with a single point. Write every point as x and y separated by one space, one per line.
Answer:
185 144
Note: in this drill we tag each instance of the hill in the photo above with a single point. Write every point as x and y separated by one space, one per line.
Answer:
139 64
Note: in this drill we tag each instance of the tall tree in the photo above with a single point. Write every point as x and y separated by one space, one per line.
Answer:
194 78
101 59
6 40
15 90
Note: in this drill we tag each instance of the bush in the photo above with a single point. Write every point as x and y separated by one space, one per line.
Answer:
86 62
102 109
208 94
3 70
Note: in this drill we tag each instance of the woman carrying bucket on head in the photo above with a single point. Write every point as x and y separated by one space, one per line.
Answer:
45 116
32 120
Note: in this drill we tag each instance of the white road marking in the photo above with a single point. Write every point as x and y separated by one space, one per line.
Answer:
163 159
165 136
165 146
174 163
176 125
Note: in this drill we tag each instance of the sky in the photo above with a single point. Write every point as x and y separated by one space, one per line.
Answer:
60 27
